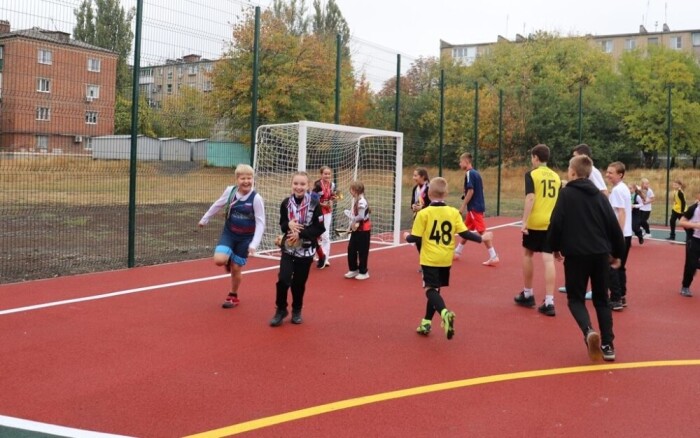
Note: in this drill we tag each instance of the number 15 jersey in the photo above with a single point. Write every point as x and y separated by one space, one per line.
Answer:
437 225
544 183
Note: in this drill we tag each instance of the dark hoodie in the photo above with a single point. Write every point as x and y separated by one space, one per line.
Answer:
584 223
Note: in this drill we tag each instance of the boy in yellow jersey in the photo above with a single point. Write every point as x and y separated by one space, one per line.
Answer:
435 227
542 186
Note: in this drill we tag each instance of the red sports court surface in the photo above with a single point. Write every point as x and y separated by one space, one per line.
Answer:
149 352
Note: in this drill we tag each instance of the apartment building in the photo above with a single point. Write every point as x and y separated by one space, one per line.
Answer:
158 82
55 93
615 44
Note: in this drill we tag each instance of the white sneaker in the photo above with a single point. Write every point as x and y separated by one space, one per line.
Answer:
328 263
352 274
364 276
493 261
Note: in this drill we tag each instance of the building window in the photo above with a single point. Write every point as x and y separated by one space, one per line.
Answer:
42 142
169 89
170 75
91 117
675 43
192 70
2 48
607 46
696 42
92 92
43 85
88 143
179 72
653 41
465 55
45 57
630 44
43 113
207 86
94 65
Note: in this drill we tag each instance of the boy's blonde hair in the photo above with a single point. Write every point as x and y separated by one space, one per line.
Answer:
243 169
438 188
582 166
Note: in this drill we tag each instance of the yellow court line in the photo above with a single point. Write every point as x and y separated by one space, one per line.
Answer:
419 390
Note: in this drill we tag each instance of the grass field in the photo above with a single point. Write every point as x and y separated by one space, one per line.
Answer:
68 215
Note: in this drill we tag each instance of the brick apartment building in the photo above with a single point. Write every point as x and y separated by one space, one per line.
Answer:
55 93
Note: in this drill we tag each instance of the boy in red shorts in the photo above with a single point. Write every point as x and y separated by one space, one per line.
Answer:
473 207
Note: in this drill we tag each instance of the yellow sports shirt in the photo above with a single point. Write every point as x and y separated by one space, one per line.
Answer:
544 183
437 226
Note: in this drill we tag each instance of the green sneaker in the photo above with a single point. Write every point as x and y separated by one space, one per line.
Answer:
424 327
448 323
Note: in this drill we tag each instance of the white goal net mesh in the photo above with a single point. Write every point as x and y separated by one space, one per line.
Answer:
373 157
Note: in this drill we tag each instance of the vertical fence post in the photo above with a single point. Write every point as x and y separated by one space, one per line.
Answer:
442 119
580 113
476 122
256 74
500 150
668 152
398 93
134 135
337 78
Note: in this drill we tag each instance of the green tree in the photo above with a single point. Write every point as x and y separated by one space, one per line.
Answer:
122 117
646 78
186 115
297 73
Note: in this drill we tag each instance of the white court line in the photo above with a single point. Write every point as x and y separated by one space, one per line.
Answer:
176 283
51 429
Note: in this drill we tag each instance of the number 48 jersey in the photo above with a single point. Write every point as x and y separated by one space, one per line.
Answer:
437 225
544 183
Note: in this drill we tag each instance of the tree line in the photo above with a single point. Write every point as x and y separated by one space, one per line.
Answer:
554 90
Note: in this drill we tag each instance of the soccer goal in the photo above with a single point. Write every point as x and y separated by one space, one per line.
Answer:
371 156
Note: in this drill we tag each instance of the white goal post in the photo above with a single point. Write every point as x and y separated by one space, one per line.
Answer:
372 156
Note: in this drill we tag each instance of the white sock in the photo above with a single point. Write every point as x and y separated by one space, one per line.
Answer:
527 292
549 299
492 253
459 248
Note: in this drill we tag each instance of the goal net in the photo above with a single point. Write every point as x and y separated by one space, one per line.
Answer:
371 156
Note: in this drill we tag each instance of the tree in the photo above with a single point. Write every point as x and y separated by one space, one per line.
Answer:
297 72
328 22
109 27
186 115
122 117
646 78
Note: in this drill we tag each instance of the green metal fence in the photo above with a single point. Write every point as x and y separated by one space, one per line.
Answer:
91 182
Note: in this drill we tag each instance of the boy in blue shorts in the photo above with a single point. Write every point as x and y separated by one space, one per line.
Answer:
434 228
243 229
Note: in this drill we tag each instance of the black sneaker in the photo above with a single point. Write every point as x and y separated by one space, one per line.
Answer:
547 309
623 301
608 352
616 306
593 345
524 301
321 263
296 317
279 316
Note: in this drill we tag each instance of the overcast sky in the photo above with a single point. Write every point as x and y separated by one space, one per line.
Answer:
416 27
381 29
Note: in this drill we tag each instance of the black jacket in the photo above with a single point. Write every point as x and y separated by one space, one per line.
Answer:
584 223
